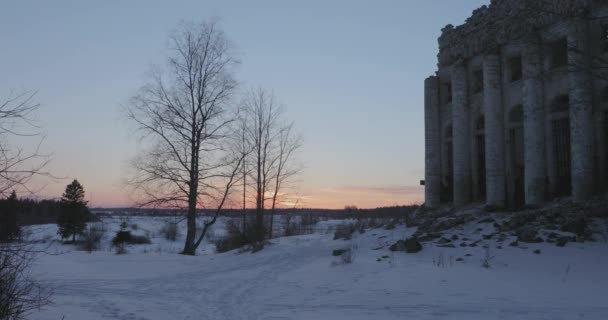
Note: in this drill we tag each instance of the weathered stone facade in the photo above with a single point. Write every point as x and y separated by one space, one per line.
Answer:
517 112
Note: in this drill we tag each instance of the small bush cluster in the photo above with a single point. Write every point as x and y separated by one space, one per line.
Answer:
309 219
128 238
391 224
233 239
92 236
124 237
236 238
303 224
345 256
169 230
345 231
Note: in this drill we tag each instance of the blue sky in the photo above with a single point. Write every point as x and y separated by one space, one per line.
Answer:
350 73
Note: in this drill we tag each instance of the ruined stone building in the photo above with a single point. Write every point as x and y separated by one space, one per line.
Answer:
517 112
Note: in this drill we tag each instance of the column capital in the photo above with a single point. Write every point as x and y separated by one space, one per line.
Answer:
431 80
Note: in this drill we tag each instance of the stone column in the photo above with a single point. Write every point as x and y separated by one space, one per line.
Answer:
461 137
581 112
432 147
494 132
535 174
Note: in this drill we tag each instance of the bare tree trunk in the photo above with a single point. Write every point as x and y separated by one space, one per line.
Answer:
189 248
244 195
259 190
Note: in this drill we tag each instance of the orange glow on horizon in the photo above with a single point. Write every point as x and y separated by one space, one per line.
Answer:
100 195
325 198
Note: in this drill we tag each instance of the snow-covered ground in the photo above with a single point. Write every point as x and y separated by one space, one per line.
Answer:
298 278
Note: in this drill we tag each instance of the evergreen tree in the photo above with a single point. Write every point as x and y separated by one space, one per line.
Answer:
74 212
9 227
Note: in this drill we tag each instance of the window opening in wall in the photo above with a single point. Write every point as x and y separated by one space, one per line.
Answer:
605 38
517 185
605 176
516 114
559 53
560 131
481 123
477 81
481 156
561 103
449 92
448 133
515 68
446 188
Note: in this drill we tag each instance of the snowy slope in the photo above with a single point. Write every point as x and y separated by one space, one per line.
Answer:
297 278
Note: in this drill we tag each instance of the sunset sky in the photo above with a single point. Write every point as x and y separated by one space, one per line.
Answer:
349 73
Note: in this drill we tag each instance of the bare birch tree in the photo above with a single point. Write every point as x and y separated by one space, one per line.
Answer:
285 169
184 115
18 165
19 294
273 144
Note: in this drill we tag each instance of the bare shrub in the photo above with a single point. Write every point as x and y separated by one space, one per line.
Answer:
346 256
345 231
309 219
169 230
233 239
361 225
91 237
18 293
123 237
121 248
487 259
290 227
391 224
303 224
373 223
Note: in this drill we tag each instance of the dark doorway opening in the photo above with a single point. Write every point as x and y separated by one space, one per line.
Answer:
518 166
447 191
560 131
481 158
516 184
560 136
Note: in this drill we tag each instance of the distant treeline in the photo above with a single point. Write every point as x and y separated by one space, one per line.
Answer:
34 211
348 212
